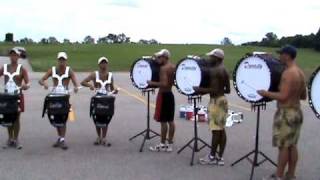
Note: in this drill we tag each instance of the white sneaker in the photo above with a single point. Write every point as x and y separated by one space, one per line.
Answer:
208 160
220 161
158 148
169 147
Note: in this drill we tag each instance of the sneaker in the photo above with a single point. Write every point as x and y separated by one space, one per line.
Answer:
97 142
158 148
56 144
8 144
105 143
63 145
272 177
169 147
17 145
220 161
287 177
208 159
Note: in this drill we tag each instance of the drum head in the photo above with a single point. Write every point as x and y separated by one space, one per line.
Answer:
251 74
314 95
188 75
141 73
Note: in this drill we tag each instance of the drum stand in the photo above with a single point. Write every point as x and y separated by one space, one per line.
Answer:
256 152
195 140
146 133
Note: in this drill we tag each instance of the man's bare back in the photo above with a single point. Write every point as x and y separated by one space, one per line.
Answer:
219 81
293 79
167 77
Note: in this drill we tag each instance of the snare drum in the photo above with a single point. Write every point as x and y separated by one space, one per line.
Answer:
143 70
102 109
57 107
313 92
190 72
257 72
9 109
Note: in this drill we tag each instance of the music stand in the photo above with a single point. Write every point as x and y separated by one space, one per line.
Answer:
256 107
146 133
195 140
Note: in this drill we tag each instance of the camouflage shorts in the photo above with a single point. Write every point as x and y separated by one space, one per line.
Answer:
286 127
218 111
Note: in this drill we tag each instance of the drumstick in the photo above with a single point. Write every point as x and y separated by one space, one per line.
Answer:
243 82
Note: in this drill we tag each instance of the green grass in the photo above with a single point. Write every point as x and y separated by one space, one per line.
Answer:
84 57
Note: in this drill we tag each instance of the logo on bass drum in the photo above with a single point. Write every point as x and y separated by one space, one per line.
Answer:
247 65
3 105
190 68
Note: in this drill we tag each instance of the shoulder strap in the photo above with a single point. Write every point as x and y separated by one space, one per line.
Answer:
97 76
54 72
5 69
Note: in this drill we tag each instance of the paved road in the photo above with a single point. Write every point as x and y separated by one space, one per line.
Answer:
38 160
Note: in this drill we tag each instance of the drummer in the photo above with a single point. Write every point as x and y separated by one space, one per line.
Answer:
218 106
61 70
288 118
98 78
21 79
165 105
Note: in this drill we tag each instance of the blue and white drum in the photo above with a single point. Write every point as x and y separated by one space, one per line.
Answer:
313 92
257 72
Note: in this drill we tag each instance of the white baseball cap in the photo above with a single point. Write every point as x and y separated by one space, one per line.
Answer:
217 53
15 50
163 52
62 55
103 59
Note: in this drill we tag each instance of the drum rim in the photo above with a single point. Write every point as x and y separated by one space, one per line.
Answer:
234 76
131 72
310 101
175 76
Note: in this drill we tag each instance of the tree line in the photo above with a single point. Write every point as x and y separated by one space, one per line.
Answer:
300 41
109 39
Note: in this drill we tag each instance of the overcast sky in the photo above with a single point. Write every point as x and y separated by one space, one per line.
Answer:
168 21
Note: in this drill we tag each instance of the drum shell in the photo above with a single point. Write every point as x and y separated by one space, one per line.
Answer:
205 74
9 104
102 105
7 120
310 84
155 68
276 68
57 104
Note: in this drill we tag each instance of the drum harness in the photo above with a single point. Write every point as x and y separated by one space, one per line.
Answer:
11 87
59 89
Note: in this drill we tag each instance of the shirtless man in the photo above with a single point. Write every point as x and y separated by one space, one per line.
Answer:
21 79
218 106
99 79
60 70
165 106
288 117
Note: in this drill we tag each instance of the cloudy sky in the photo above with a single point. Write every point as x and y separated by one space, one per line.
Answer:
168 21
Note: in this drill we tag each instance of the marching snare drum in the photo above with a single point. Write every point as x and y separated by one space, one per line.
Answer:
102 105
314 92
143 70
9 108
257 72
57 107
191 71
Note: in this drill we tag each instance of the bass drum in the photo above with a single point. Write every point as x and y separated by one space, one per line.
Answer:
257 72
313 92
57 107
190 72
143 70
9 109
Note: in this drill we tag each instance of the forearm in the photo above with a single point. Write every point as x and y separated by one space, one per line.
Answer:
86 84
274 95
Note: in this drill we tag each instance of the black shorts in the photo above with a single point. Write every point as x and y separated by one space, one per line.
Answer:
101 121
165 107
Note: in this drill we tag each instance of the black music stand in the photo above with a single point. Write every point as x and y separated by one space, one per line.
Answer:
256 107
146 133
195 140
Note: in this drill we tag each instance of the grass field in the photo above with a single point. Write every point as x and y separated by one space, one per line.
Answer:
84 57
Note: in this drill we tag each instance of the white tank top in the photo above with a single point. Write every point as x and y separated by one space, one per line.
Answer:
11 87
104 85
60 89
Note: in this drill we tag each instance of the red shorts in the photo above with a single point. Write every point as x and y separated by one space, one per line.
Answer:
165 106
